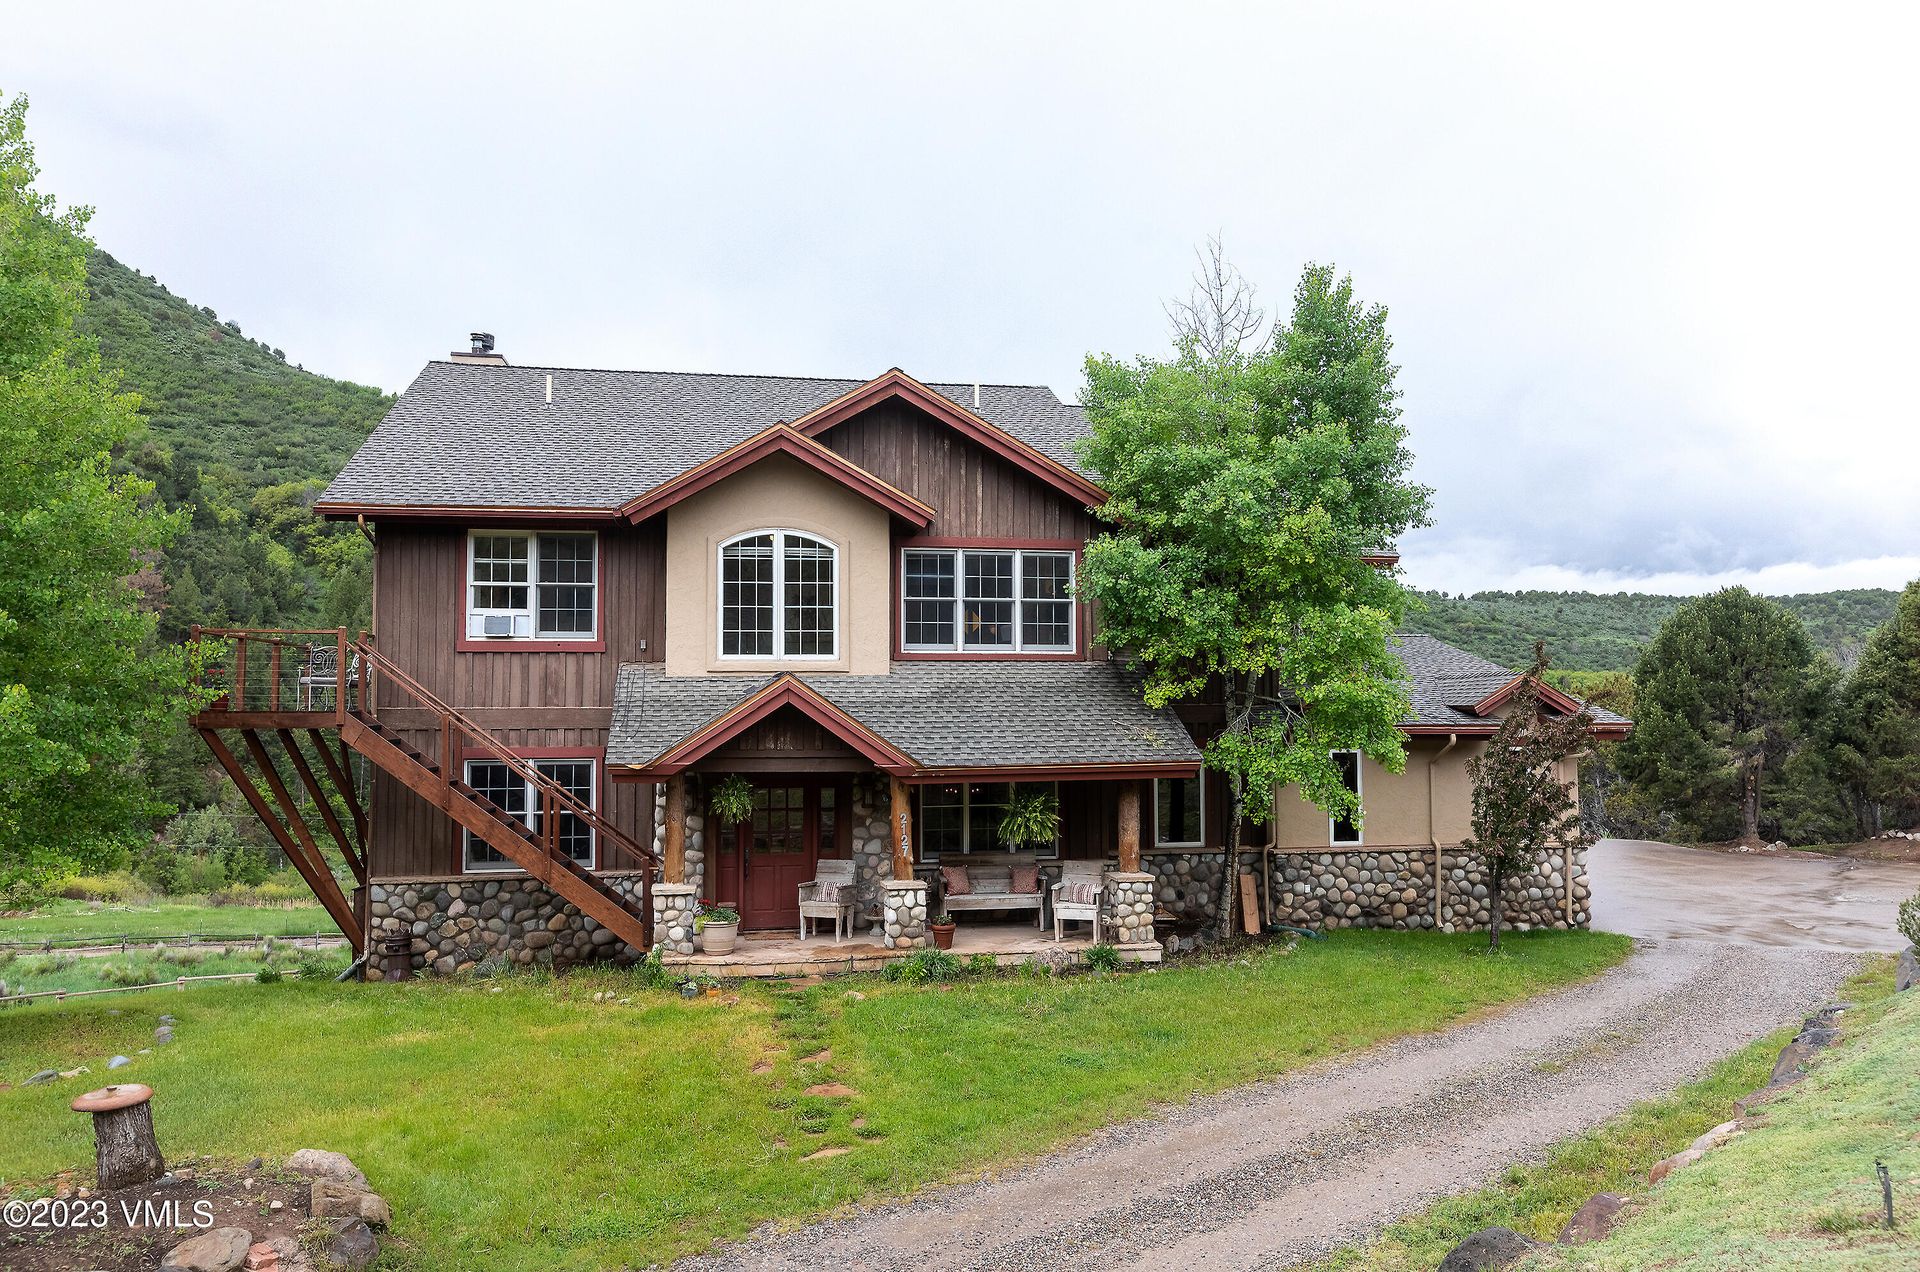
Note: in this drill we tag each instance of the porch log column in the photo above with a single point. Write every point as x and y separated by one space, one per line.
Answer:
902 831
673 853
1130 828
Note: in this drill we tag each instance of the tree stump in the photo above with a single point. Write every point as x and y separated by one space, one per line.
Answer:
125 1151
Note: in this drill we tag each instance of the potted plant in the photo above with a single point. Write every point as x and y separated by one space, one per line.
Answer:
1032 817
942 929
731 800
717 926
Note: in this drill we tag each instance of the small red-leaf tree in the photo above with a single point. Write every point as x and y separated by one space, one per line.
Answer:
1523 806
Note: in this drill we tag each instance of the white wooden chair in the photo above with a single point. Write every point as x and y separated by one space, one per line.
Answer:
829 895
1079 874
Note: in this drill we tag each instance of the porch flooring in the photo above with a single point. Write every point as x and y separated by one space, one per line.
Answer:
766 955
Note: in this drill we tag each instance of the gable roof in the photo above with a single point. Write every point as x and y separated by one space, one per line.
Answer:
945 717
781 439
1454 691
469 436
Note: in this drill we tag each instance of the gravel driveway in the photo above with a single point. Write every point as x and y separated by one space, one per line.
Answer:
1275 1173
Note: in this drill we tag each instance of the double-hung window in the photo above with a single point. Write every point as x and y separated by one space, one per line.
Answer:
986 601
1180 811
1346 830
532 586
778 596
964 817
494 781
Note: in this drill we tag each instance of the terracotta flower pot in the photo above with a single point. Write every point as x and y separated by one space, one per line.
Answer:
718 938
942 935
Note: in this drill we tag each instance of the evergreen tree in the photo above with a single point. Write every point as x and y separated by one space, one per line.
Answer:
1879 721
1722 694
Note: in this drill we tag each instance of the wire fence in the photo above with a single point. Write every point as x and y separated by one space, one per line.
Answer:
178 982
128 941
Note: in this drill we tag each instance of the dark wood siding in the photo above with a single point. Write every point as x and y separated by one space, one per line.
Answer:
528 699
975 493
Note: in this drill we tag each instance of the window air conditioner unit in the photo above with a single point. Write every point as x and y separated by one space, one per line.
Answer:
496 625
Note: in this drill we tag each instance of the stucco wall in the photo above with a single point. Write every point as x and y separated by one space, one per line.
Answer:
1395 805
778 493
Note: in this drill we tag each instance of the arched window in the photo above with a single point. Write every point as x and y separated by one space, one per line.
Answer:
777 596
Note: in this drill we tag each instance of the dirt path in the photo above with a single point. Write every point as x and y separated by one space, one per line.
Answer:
1273 1174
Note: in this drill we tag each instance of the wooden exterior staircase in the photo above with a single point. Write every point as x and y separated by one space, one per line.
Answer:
276 685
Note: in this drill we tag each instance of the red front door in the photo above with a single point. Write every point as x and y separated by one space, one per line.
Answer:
777 849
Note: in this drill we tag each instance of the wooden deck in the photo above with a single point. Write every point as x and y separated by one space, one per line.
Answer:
768 955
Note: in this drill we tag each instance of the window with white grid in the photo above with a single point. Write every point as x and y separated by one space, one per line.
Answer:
986 601
779 596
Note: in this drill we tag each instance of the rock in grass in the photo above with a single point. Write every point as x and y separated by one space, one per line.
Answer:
1907 975
1593 1220
335 1199
1661 1169
321 1164
1717 1136
221 1250
118 1062
45 1075
1488 1248
353 1246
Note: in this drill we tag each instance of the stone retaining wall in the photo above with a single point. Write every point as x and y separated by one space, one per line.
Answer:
463 920
1394 888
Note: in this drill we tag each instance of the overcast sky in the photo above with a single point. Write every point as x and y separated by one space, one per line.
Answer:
1651 274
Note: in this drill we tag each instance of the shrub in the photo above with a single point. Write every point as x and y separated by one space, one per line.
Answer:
125 974
650 972
119 888
1909 920
924 967
268 976
1103 958
983 965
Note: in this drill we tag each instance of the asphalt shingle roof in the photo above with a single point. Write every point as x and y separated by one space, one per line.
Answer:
1446 681
941 714
474 434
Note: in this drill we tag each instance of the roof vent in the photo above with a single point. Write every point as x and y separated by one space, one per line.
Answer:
482 351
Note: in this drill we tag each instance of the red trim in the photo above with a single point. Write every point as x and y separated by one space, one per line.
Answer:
1082 612
465 644
1548 694
896 383
786 691
1380 560
1054 772
779 439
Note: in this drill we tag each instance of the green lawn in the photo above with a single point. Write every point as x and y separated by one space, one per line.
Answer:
1677 1228
69 920
142 965
520 1125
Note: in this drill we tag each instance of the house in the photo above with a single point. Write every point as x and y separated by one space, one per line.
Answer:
597 594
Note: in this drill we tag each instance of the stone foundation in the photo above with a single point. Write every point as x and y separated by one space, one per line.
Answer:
458 922
1395 888
903 911
1188 883
673 910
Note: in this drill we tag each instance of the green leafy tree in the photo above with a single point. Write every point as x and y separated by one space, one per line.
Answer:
1723 693
1878 743
1523 804
83 684
1247 482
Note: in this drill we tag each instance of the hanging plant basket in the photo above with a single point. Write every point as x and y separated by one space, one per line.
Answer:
731 800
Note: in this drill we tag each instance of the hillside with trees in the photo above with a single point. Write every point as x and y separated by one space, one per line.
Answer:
1593 631
242 441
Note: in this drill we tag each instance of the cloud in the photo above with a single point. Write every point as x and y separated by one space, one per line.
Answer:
1489 565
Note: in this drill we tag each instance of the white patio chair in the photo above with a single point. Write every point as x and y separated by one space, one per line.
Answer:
829 895
1077 895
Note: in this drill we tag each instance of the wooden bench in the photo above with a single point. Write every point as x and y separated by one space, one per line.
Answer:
990 876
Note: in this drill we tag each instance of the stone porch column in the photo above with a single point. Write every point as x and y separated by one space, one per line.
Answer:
1129 890
903 909
901 834
673 918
